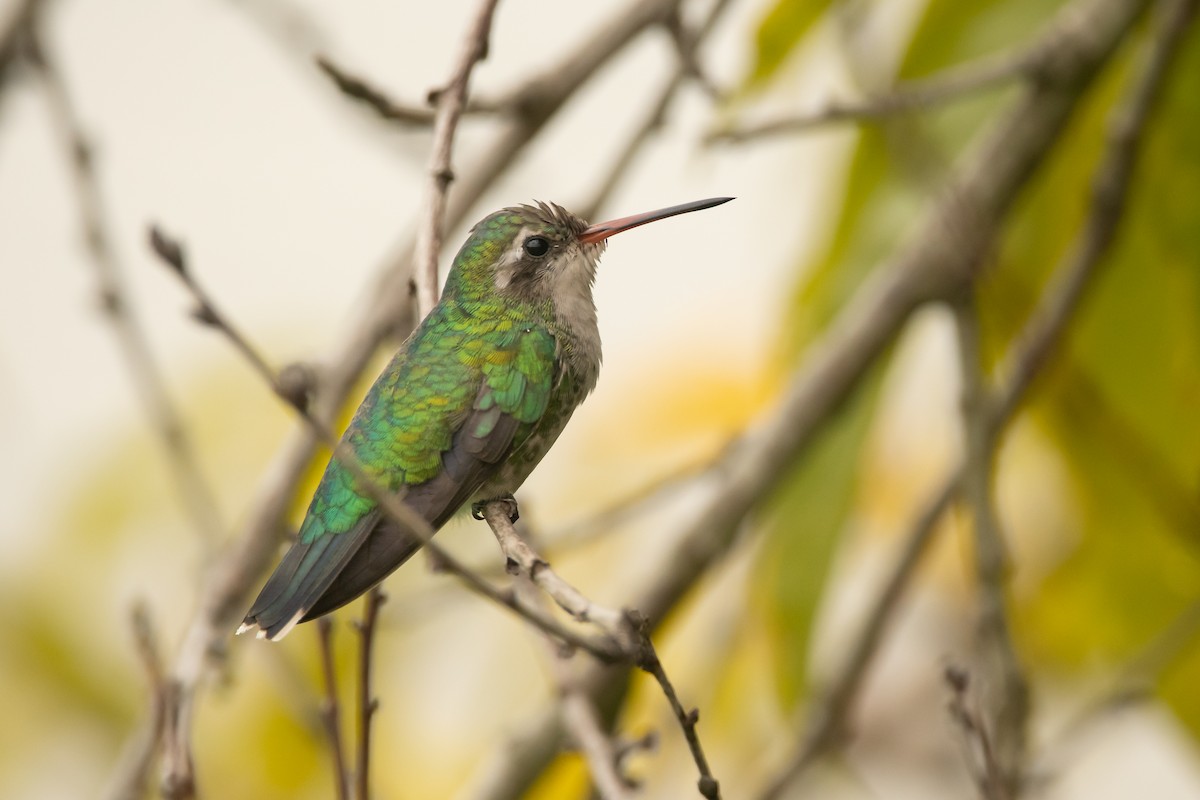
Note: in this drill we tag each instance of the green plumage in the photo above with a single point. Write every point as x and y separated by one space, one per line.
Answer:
466 409
413 410
468 403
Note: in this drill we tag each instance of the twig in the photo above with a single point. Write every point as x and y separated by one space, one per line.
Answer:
687 43
368 704
522 558
449 103
358 88
583 724
953 84
331 708
1005 690
19 38
578 714
990 776
129 779
827 719
630 506
1133 683
195 494
1028 356
628 628
649 661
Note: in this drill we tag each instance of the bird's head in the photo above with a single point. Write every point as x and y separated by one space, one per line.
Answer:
542 252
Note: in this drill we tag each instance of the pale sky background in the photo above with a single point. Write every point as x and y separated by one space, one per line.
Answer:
288 199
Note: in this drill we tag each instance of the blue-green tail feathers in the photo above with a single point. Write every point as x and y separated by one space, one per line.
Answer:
322 573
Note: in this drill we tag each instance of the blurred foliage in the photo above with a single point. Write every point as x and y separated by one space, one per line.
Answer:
1119 403
1121 400
782 29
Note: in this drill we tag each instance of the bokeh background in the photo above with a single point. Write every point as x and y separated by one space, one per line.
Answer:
210 117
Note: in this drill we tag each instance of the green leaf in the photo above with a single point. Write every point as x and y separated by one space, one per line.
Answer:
779 34
804 526
1120 401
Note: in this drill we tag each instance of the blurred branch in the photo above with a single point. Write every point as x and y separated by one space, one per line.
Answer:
687 43
331 708
1110 193
1133 683
1028 61
197 497
579 718
628 627
18 38
987 770
1005 694
358 88
449 102
629 506
367 703
286 24
1028 356
919 94
128 781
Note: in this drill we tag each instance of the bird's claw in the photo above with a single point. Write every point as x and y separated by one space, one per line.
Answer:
513 513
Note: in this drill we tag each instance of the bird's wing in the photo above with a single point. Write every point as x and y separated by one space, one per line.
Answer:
419 430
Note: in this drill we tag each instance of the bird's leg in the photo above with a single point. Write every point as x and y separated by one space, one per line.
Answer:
508 499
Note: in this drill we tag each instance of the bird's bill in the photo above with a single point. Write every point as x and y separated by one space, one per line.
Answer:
602 230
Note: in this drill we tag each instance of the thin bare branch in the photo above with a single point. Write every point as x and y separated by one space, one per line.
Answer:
1004 691
522 558
1133 683
449 103
688 44
409 114
649 661
331 709
579 718
368 704
18 39
1024 62
128 781
195 494
628 627
990 777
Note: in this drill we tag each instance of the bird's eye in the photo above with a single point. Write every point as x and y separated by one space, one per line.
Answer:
536 246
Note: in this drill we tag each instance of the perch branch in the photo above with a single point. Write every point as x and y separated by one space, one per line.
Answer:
628 627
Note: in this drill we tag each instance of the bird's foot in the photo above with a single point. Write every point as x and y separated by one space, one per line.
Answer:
508 499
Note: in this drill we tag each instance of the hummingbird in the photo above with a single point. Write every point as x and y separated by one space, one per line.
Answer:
466 409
